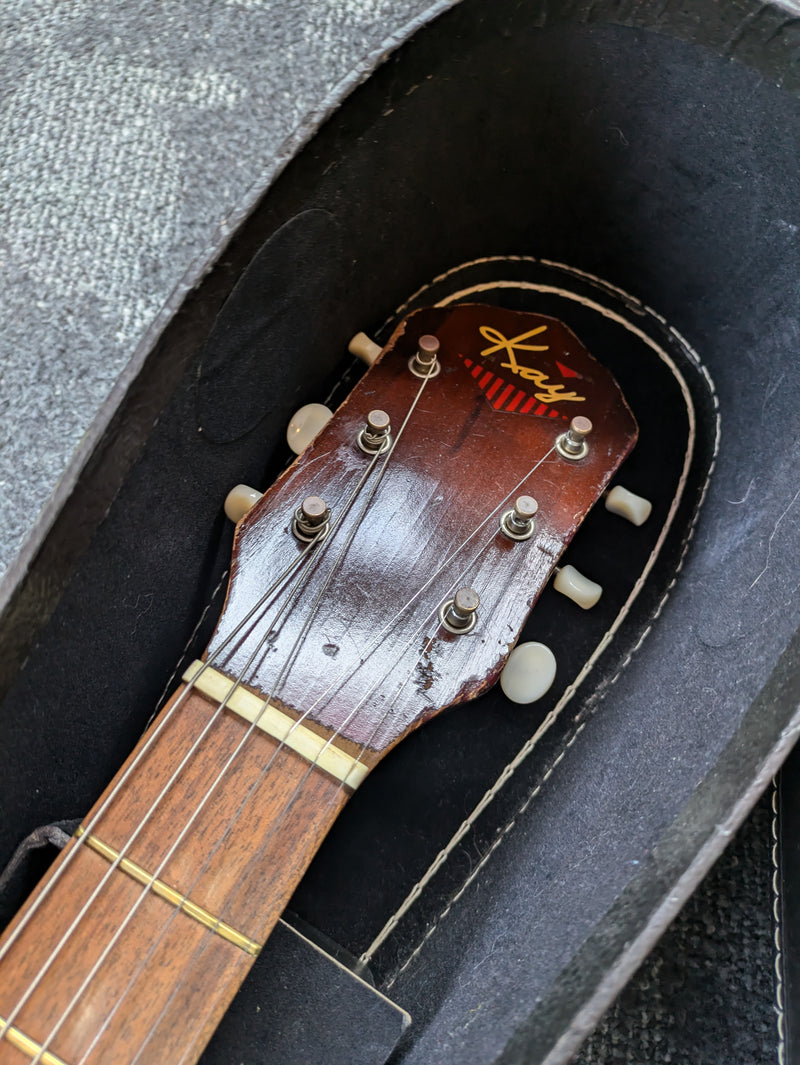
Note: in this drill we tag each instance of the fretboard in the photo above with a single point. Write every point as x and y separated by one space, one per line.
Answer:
136 945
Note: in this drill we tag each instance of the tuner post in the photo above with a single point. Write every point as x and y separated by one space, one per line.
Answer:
426 363
311 520
572 444
459 615
518 524
374 438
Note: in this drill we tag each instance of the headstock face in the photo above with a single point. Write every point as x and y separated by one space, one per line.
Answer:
359 647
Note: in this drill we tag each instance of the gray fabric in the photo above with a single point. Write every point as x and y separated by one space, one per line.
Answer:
705 995
134 137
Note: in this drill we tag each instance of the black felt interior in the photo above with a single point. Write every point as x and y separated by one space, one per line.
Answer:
656 164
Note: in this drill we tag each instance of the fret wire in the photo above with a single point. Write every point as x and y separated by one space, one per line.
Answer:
364 746
23 1042
252 727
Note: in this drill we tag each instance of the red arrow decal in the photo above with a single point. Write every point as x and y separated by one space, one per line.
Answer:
565 370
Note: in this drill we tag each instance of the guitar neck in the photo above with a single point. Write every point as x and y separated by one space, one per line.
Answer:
164 933
442 518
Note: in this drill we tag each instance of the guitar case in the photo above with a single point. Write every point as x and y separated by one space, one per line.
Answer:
631 170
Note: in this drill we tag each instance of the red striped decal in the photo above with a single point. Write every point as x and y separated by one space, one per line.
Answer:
506 397
498 403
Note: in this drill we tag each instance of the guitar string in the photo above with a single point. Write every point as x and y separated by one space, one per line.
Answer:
334 799
48 962
300 637
161 724
318 542
378 639
298 789
31 988
208 939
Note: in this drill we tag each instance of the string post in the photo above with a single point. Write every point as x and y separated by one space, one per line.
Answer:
518 524
459 615
374 438
572 444
425 363
311 519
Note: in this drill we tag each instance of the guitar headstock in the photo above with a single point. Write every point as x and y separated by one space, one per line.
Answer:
371 627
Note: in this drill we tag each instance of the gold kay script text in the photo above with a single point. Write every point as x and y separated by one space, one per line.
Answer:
548 393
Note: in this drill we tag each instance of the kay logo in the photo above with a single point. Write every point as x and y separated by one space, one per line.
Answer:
548 392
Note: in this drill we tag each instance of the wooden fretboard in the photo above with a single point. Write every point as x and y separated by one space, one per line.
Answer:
182 943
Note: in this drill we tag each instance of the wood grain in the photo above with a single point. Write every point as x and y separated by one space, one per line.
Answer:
182 988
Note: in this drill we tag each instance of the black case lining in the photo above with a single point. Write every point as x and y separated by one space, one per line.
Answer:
657 164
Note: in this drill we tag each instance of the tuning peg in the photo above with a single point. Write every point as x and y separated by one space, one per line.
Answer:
363 348
375 437
628 505
572 583
528 673
305 425
572 444
459 614
311 519
518 524
240 500
425 363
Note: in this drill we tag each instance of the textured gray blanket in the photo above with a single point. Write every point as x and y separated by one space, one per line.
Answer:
134 137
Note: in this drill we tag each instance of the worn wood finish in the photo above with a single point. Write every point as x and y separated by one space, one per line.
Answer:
244 875
476 434
355 651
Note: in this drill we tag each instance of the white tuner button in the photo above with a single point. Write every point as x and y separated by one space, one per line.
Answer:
240 500
572 583
305 425
365 349
528 673
628 505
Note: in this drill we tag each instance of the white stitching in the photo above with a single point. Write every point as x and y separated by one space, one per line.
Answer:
780 1018
595 699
